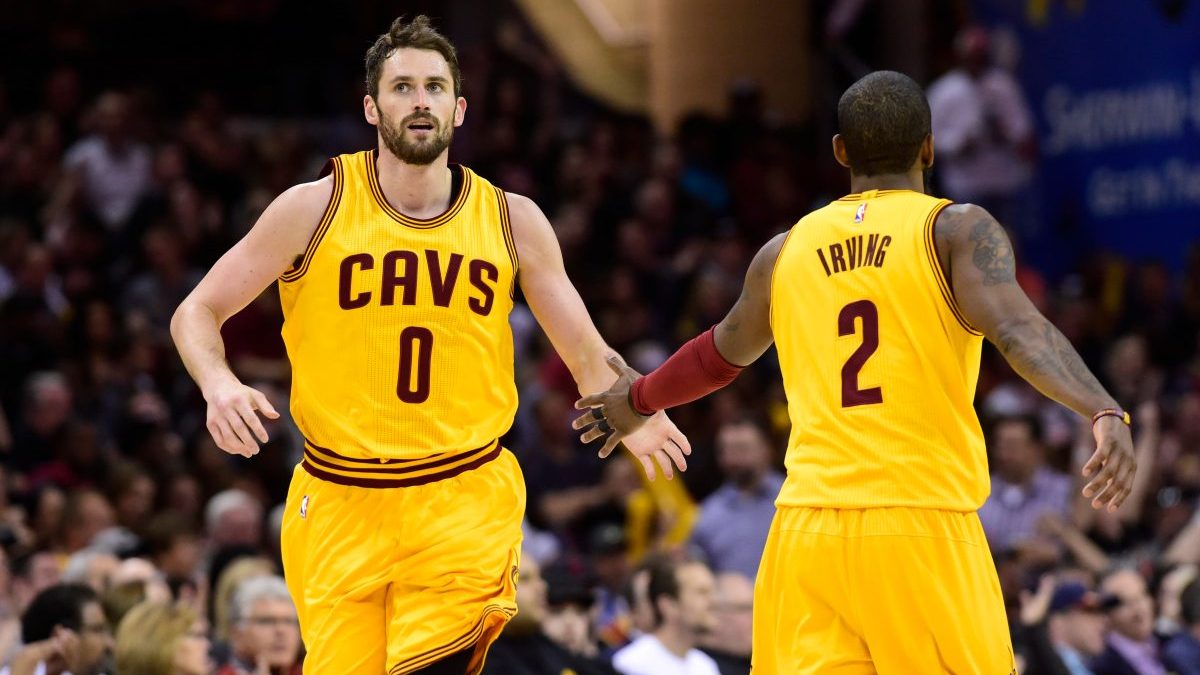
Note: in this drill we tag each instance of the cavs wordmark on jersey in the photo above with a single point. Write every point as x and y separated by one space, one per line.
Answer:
398 334
878 362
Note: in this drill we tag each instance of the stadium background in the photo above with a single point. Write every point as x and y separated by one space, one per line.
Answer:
666 144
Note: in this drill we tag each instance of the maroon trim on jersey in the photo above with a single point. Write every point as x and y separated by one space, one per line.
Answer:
939 275
388 467
509 242
375 460
456 202
367 482
298 269
470 637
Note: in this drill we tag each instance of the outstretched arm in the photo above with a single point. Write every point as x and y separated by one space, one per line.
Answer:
703 365
978 258
561 313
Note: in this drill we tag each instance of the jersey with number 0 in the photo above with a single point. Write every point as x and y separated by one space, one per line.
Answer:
397 328
879 364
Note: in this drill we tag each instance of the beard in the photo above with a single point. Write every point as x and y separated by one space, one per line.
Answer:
421 152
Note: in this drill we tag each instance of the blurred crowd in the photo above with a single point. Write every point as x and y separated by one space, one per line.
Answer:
130 544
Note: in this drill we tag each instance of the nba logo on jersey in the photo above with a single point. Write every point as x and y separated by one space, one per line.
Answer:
860 213
304 507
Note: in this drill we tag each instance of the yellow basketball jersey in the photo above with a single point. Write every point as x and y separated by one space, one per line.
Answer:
398 334
879 364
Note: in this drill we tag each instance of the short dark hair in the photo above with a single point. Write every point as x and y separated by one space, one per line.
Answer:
663 582
1029 421
60 605
883 119
417 34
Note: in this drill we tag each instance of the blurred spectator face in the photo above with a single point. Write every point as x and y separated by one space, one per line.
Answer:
734 612
696 598
113 117
87 514
241 526
98 571
270 631
416 116
743 454
191 652
141 570
571 627
180 560
1083 630
1134 617
1018 454
95 640
971 46
49 403
1127 360
531 592
136 501
42 573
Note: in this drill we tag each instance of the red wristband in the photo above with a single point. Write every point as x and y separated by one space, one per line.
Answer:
694 371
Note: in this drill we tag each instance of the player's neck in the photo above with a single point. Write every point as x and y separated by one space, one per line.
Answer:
913 180
417 191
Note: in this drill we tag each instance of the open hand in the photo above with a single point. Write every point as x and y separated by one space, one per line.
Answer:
650 439
233 410
1112 467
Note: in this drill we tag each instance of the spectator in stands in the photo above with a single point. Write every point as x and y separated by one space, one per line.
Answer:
1061 628
734 521
523 648
982 130
110 170
1182 653
1132 647
681 596
264 631
158 638
33 573
65 632
729 642
92 567
48 409
1024 489
233 518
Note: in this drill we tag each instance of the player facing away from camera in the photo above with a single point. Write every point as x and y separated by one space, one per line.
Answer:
878 304
396 272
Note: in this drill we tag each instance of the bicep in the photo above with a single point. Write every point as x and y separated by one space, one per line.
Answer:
267 251
745 332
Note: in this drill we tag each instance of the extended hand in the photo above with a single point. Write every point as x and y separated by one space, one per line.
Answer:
612 415
233 419
1115 461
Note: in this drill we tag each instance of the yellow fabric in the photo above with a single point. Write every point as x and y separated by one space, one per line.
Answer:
397 329
892 591
393 580
891 425
660 512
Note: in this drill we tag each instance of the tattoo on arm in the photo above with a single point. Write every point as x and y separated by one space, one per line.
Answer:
993 255
1044 356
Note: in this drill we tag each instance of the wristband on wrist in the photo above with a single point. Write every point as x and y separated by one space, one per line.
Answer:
1112 412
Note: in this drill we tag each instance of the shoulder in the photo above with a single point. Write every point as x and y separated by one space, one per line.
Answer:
522 209
964 222
307 198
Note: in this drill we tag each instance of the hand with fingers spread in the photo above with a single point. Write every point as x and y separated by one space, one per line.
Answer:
233 410
1112 467
611 416
1034 606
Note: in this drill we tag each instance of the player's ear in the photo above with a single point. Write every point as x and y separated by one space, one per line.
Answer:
460 111
839 151
370 110
926 153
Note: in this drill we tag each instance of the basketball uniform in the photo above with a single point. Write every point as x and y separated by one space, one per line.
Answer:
876 561
402 528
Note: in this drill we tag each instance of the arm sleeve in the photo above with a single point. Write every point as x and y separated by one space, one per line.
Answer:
693 372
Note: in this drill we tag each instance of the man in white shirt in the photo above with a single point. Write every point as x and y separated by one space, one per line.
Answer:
682 597
982 130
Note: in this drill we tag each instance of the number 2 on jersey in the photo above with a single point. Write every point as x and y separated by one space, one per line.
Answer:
416 344
866 311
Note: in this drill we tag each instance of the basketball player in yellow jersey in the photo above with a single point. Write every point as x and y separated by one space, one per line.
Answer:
396 273
878 304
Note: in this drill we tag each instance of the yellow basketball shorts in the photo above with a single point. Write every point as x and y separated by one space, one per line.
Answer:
893 591
391 580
